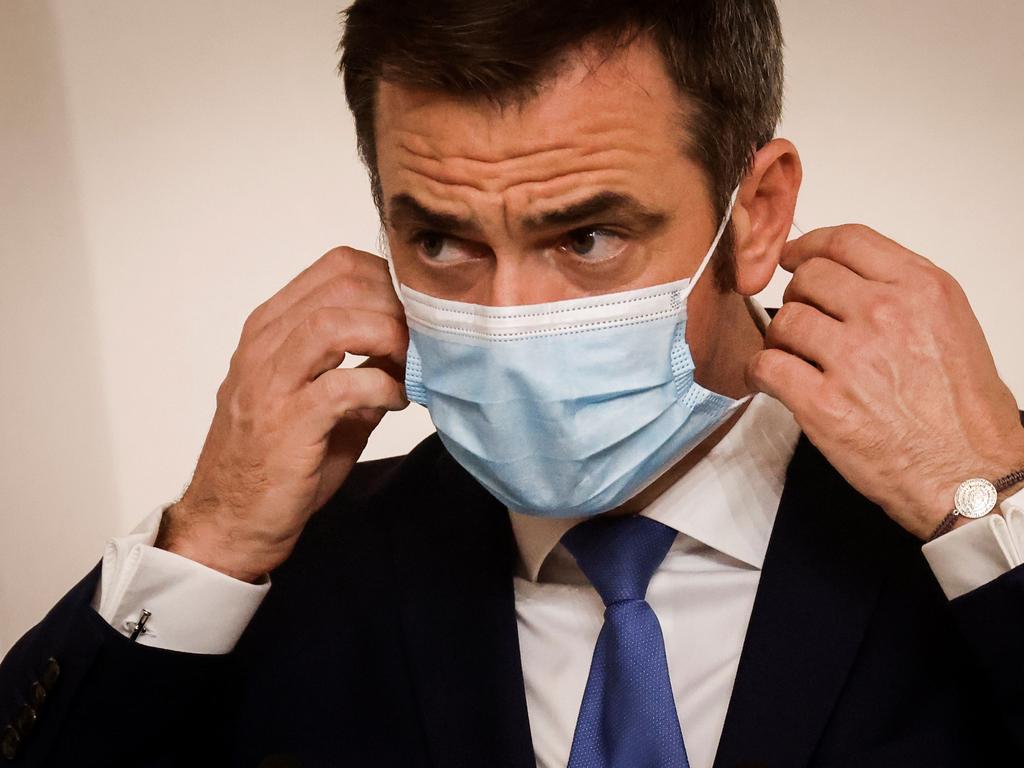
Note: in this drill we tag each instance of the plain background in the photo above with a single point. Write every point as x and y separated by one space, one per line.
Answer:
165 167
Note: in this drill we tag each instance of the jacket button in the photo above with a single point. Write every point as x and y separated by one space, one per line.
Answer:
36 695
50 674
9 743
24 720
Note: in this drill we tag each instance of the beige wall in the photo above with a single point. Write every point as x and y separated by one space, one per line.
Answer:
165 167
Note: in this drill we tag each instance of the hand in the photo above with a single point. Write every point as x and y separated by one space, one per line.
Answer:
878 354
289 424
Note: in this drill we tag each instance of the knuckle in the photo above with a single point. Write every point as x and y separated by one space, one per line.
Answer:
224 391
336 386
255 321
851 236
787 317
836 408
243 405
937 285
323 323
792 290
884 312
395 331
814 268
776 332
762 365
800 283
246 356
380 382
386 384
342 257
343 290
833 406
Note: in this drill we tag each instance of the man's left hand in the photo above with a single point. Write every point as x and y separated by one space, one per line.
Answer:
878 354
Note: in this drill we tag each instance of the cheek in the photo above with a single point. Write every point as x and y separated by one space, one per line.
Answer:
668 265
706 324
677 255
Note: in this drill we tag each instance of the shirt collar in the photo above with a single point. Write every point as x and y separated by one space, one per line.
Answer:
727 500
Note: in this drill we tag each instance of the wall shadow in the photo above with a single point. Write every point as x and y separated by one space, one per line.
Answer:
56 473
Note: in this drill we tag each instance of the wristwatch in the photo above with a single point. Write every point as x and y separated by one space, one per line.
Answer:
975 498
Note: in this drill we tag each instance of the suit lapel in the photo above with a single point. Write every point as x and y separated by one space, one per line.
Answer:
824 567
456 557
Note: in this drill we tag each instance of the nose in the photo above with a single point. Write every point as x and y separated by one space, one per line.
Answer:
519 279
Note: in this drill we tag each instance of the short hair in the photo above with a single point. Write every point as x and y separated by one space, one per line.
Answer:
725 57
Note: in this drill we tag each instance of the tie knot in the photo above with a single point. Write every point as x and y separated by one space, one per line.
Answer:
619 554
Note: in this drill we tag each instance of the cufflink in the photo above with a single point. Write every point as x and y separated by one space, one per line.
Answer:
139 627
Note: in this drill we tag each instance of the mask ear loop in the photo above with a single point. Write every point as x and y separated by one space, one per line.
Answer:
714 245
391 271
414 389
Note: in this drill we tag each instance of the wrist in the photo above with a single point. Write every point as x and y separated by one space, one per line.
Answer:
987 491
193 535
1011 490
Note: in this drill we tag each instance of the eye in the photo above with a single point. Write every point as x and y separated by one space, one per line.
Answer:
435 246
591 244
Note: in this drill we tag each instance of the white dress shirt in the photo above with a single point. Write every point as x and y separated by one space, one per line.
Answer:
724 509
702 593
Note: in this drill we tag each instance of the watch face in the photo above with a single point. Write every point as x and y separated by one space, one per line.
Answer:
975 498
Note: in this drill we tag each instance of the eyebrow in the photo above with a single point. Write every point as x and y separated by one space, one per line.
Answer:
405 211
621 208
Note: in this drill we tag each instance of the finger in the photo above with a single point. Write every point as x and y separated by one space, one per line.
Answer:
787 378
343 291
805 331
828 286
336 262
387 365
342 391
321 341
860 249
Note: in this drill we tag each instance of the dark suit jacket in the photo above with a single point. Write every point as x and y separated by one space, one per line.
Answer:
389 639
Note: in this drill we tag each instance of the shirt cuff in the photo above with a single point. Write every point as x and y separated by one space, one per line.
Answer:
983 550
193 608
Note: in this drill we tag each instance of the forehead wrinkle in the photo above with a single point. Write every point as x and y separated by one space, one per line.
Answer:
516 204
428 154
603 179
617 147
443 178
610 140
454 173
480 206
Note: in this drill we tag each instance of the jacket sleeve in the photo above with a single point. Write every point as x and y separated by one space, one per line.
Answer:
74 691
991 619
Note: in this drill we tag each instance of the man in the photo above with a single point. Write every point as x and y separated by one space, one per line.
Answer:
619 550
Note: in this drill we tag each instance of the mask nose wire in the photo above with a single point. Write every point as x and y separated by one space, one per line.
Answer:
714 245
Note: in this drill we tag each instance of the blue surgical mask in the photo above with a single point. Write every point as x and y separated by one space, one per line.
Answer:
563 409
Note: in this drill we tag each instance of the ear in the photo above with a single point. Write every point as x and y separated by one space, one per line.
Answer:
763 214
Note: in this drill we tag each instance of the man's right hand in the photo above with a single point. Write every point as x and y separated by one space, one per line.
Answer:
289 423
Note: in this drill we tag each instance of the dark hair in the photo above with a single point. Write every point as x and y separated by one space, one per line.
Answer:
725 57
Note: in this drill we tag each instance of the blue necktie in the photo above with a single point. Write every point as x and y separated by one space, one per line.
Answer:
628 717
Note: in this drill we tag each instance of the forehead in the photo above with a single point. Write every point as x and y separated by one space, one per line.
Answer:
600 119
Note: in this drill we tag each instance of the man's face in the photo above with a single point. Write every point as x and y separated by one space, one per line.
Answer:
585 189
